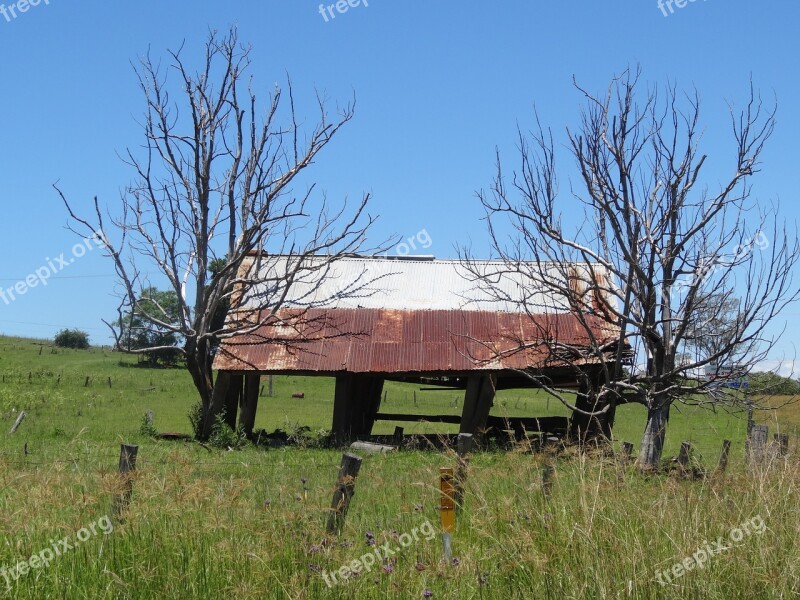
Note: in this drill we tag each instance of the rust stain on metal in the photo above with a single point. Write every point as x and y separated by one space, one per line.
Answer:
331 340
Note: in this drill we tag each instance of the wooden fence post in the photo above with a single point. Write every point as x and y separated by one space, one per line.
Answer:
463 448
548 471
781 441
684 456
18 422
757 444
627 451
127 464
723 457
345 490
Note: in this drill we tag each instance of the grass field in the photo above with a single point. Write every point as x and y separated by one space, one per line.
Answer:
250 523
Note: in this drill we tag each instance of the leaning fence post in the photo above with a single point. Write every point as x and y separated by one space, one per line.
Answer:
723 457
345 489
18 422
127 464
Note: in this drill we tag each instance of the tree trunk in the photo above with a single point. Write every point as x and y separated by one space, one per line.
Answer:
653 437
597 428
198 363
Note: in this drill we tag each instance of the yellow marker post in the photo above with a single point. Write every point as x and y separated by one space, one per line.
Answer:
447 508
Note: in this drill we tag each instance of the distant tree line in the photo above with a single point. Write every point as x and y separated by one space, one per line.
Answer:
773 384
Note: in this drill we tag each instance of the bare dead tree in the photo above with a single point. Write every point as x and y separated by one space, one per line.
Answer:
657 255
214 185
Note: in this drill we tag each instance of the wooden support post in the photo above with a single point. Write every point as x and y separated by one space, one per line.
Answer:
463 448
345 490
18 422
269 385
127 464
342 426
584 428
723 457
447 509
86 383
355 406
371 390
478 401
232 399
398 435
249 403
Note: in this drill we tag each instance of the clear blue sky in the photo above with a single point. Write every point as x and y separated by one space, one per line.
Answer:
439 85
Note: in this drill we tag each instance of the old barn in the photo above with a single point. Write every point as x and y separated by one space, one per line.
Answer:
366 320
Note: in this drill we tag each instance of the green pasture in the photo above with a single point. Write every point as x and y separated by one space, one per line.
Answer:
208 523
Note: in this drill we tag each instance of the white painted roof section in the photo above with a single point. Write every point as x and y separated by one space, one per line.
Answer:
403 284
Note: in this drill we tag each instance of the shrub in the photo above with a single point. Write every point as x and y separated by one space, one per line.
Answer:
195 415
147 428
222 436
72 338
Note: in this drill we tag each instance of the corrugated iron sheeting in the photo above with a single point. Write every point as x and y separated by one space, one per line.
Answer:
402 341
421 285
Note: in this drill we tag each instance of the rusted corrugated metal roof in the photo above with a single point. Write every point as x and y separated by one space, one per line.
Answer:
402 341
408 284
374 314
